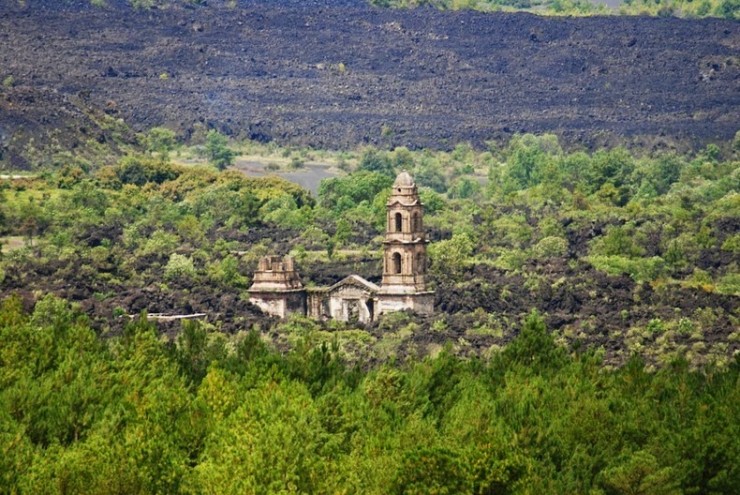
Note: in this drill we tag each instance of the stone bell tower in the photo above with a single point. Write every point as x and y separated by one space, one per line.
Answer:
405 252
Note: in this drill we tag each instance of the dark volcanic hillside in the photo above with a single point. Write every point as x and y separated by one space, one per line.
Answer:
335 74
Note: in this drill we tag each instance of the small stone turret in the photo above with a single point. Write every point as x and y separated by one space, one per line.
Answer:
277 288
276 273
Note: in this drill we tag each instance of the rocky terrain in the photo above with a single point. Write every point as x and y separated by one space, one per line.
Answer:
340 73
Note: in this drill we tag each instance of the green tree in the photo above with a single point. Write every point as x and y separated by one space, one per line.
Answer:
179 267
534 347
139 170
161 140
452 255
218 151
640 474
373 160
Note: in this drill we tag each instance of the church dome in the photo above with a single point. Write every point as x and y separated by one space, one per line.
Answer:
404 179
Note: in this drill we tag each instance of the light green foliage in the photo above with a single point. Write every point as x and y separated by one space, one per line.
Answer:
451 255
513 230
531 161
179 267
618 241
131 413
510 259
161 140
732 244
730 283
640 269
227 272
728 9
550 246
160 242
284 211
271 443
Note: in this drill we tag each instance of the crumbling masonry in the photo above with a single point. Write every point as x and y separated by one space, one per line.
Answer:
277 287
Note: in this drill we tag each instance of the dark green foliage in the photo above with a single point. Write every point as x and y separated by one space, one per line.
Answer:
377 161
341 194
135 414
217 150
139 170
534 348
430 471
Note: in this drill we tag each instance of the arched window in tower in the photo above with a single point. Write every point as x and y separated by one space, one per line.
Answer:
415 222
397 263
398 222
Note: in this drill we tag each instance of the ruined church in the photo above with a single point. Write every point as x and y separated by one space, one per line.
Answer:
277 288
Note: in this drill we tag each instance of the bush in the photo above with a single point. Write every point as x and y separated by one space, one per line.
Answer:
549 247
464 188
179 268
451 255
641 269
431 471
376 161
140 170
510 259
729 284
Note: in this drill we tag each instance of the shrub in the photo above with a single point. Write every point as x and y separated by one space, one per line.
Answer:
729 284
618 241
510 259
549 247
451 255
140 170
179 267
464 188
375 161
641 269
431 470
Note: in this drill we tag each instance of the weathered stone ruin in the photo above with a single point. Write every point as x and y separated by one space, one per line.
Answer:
278 291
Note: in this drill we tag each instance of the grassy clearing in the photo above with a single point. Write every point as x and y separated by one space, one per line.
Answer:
11 243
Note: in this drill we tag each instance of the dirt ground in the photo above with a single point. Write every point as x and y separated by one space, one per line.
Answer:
338 73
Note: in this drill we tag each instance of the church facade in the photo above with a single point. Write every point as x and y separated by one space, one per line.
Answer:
277 288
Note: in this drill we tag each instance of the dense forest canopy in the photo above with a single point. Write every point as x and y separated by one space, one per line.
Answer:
211 413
